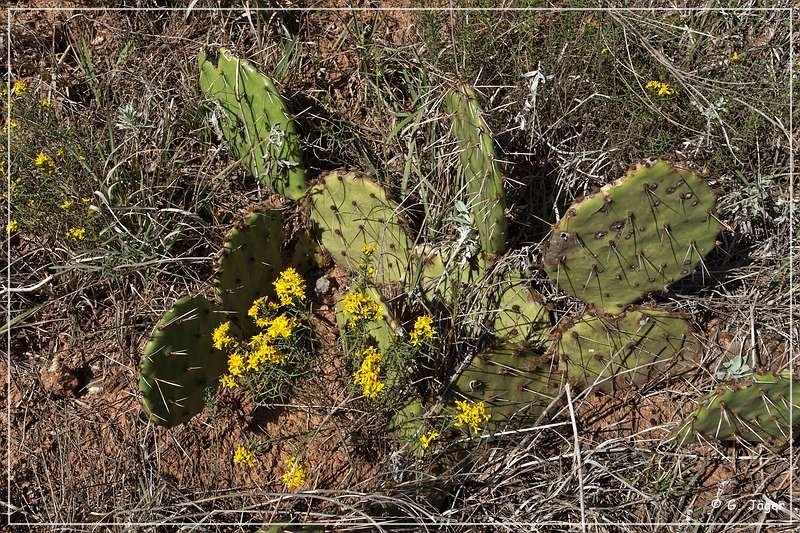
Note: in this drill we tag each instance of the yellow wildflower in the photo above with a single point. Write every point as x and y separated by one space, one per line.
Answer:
221 336
368 375
235 364
425 440
422 330
66 204
227 381
661 88
260 311
290 286
281 326
262 351
12 226
471 414
45 102
77 234
86 200
361 307
295 474
368 249
735 56
371 270
12 124
244 456
43 160
20 87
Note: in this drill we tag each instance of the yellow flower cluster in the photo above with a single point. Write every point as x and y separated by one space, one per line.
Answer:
12 226
425 440
227 381
77 234
471 415
260 311
368 375
235 364
368 249
295 474
66 204
422 330
361 307
243 456
44 162
660 88
261 351
281 326
221 336
290 287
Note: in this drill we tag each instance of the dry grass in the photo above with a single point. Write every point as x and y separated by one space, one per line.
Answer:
564 94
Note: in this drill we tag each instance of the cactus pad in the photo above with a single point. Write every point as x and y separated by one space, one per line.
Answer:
350 210
255 124
179 362
510 382
483 179
442 276
522 320
757 410
251 260
637 235
627 349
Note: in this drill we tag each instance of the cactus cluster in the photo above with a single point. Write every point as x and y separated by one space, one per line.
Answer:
634 236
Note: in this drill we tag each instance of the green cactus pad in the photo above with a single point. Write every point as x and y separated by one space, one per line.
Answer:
351 210
482 177
756 410
442 277
522 320
179 362
637 235
251 260
628 349
512 383
407 424
256 124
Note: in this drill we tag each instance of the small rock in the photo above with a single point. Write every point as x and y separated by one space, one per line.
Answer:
323 285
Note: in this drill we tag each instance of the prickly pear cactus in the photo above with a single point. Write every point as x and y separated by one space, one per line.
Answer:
522 320
179 362
756 410
637 235
627 350
511 383
350 210
255 124
251 260
482 177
